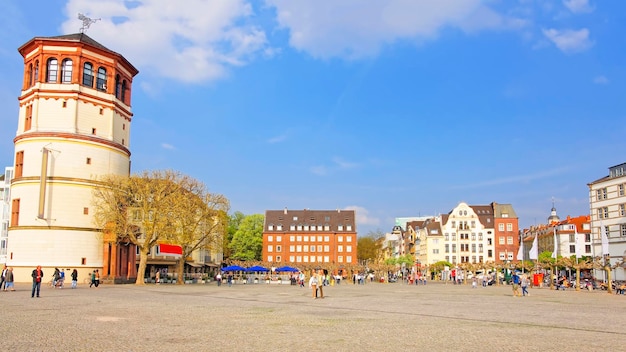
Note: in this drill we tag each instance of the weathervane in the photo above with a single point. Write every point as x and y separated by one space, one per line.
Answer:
86 21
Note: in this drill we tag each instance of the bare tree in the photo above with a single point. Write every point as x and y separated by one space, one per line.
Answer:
199 219
140 209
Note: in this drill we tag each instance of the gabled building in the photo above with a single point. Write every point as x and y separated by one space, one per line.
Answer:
607 201
310 236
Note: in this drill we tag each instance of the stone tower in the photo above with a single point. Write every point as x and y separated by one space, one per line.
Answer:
74 127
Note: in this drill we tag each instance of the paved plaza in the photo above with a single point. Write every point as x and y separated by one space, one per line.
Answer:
371 317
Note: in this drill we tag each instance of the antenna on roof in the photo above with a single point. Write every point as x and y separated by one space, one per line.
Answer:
86 21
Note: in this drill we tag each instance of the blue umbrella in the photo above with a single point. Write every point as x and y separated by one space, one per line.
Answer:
234 268
286 269
257 268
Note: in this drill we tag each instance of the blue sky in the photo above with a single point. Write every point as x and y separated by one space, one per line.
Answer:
395 108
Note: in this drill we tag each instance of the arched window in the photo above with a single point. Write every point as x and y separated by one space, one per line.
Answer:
30 75
88 74
66 71
118 86
36 75
53 70
123 95
101 81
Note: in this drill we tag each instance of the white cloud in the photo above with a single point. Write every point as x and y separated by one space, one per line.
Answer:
349 29
569 41
167 146
578 6
319 170
600 80
362 216
277 139
194 40
344 164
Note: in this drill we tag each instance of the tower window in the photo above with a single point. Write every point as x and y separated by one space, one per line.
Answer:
86 211
53 70
29 118
64 104
118 86
123 93
66 71
36 74
93 131
88 161
19 164
101 111
101 82
88 75
15 212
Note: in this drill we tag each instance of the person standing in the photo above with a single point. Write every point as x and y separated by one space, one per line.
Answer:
37 276
9 280
320 283
218 278
3 278
74 278
97 281
157 278
313 283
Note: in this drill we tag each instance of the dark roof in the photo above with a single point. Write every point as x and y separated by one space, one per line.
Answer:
311 217
81 38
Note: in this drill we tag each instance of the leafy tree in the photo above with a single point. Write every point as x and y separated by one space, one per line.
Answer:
369 248
234 221
247 242
137 209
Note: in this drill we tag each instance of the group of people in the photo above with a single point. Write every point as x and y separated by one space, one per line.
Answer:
520 281
6 282
317 281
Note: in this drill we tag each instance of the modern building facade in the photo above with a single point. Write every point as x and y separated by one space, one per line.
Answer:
5 211
73 127
310 236
607 203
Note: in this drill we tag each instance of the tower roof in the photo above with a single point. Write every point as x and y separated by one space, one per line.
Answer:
79 38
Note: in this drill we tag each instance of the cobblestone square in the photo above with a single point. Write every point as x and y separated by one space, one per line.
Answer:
371 317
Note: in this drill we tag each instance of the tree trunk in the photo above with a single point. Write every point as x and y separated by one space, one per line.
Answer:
143 261
578 278
181 271
609 284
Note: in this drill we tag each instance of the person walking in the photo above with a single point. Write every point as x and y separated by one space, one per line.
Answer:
37 276
524 284
93 279
3 278
9 280
515 280
218 278
157 278
74 278
97 281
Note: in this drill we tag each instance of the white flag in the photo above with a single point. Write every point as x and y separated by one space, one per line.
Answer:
534 250
555 253
605 240
520 252
578 244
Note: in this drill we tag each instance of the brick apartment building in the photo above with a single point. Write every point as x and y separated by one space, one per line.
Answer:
310 236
